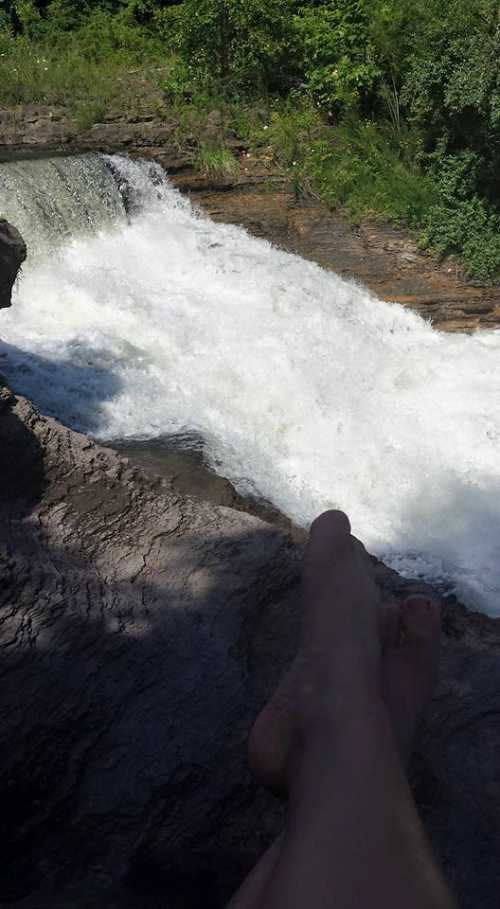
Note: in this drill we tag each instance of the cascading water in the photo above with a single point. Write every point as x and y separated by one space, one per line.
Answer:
302 384
51 201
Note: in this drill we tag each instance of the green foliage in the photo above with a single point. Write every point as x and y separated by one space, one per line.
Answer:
179 82
338 56
249 43
385 107
215 160
467 230
291 128
445 78
359 166
75 57
459 222
29 17
86 113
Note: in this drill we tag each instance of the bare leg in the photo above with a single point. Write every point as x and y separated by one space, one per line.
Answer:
329 689
409 674
410 659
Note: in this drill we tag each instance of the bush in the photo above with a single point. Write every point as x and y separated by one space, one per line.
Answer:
85 66
244 44
338 56
411 85
372 171
446 78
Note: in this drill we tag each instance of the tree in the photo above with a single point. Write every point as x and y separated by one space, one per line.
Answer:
338 56
250 42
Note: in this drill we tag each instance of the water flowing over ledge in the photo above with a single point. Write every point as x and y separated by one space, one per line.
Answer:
138 317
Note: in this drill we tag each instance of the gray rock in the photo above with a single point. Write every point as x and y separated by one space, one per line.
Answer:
140 631
12 256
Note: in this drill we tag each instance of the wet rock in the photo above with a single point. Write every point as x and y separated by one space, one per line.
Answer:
12 256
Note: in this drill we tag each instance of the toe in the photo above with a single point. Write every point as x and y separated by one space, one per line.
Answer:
330 535
333 523
330 545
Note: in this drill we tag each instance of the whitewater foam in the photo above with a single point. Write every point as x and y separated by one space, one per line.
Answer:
305 387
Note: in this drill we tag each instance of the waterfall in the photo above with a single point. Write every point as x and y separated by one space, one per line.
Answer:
137 317
51 201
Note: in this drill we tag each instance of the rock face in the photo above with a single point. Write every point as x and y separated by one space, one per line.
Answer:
12 256
140 631
51 130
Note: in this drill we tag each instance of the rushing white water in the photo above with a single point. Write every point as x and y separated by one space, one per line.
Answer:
305 387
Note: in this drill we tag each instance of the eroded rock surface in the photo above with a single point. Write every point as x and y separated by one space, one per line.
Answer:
140 630
40 128
12 256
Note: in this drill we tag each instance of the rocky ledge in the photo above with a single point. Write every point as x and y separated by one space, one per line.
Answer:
382 257
140 631
12 256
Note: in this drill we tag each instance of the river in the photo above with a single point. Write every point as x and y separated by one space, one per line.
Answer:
138 318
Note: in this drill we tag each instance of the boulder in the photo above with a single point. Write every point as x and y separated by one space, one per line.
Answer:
140 631
12 256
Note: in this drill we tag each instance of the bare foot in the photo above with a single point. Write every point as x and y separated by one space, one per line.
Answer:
392 650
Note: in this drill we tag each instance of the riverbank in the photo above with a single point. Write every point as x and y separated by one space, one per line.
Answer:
257 195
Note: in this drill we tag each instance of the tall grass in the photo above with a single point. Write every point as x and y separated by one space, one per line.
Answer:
99 65
214 160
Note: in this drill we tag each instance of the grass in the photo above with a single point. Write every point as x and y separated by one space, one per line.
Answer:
371 171
374 171
214 160
79 72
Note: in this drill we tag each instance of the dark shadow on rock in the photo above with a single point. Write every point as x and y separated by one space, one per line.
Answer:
141 632
182 460
124 716
73 389
22 478
129 774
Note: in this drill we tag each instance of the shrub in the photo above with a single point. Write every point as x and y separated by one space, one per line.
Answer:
247 44
338 56
371 171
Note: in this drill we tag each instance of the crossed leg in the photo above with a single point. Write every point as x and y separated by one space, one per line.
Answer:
335 737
